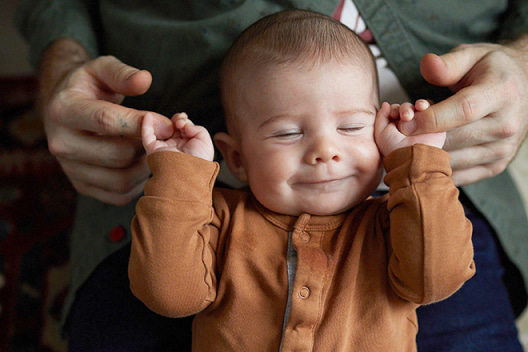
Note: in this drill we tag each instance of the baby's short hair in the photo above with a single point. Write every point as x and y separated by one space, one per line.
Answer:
291 36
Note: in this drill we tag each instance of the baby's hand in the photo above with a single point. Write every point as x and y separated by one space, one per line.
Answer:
187 138
388 134
405 111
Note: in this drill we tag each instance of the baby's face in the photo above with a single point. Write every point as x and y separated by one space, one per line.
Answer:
307 137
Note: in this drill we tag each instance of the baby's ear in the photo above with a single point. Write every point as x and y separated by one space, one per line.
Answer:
230 149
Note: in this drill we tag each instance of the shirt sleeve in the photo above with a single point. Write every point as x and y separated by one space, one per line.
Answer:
430 248
43 21
172 260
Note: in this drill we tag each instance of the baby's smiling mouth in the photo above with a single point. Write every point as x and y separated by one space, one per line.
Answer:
322 184
315 182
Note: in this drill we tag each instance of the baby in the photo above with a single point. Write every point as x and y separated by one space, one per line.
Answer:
304 259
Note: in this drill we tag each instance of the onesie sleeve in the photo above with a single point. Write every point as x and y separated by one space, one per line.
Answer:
430 248
171 267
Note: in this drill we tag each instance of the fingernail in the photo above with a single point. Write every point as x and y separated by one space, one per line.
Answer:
408 127
164 130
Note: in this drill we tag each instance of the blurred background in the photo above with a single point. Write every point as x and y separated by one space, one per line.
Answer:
36 206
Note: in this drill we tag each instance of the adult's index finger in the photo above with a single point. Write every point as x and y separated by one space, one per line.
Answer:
107 118
466 106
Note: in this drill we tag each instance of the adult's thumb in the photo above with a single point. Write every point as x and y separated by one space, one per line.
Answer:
119 77
448 69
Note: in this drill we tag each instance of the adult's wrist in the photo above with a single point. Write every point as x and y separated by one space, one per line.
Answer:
519 49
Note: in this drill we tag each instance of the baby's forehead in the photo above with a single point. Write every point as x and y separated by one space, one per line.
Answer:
289 87
252 73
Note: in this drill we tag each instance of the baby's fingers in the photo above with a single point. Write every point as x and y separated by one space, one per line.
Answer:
187 128
422 104
180 120
148 133
406 112
147 129
196 140
394 111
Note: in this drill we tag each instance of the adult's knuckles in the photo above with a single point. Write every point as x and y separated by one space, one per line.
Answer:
113 155
56 109
497 168
117 70
100 63
468 105
503 152
104 121
58 148
508 129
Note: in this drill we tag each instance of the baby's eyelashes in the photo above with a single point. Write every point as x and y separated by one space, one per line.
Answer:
351 129
286 134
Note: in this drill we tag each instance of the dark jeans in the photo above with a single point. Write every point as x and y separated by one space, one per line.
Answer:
107 317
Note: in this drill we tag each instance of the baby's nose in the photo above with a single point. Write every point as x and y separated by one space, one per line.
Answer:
323 150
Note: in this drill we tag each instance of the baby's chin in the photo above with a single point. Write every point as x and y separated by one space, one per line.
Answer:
329 211
320 209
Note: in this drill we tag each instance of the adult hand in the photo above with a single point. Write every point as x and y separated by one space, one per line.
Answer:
486 119
95 140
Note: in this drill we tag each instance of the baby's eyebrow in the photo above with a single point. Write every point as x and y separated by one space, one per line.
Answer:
289 116
357 111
